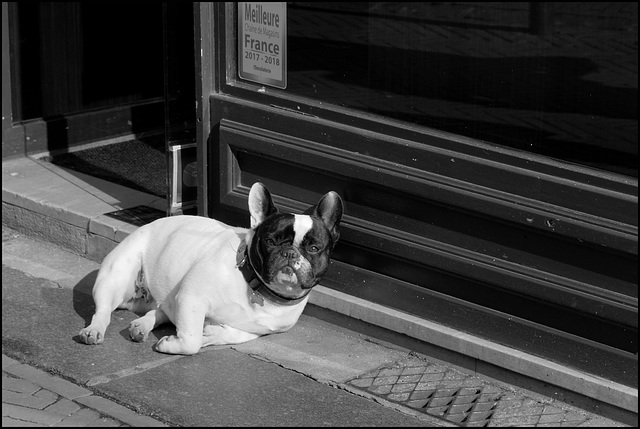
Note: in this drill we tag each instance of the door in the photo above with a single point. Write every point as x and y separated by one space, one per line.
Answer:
487 157
81 72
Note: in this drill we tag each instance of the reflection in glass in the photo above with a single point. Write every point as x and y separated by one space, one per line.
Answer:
557 79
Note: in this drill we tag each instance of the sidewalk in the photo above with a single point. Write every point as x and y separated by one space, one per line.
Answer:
292 380
329 369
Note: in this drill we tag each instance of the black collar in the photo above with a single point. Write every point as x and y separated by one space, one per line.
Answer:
259 288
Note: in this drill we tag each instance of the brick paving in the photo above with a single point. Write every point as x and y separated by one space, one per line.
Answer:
34 398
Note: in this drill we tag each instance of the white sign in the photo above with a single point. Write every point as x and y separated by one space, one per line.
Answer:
262 43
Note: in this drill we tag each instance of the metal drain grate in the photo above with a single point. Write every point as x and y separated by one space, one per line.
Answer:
463 399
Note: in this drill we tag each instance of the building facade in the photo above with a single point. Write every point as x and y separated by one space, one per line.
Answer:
486 152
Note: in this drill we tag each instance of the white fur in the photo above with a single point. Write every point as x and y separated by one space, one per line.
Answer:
301 225
189 266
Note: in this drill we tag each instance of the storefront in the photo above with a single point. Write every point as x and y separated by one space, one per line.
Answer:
490 178
486 154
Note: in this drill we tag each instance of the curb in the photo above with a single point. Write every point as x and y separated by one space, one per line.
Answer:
68 208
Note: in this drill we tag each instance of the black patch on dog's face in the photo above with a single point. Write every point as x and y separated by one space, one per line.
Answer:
274 248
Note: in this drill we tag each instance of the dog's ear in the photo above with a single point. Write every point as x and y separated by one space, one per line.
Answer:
330 209
260 204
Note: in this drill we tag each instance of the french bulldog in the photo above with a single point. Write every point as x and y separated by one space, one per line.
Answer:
216 283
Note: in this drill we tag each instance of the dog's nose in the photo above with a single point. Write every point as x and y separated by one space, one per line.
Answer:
290 254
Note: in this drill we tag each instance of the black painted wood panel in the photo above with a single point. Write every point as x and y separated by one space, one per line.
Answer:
512 254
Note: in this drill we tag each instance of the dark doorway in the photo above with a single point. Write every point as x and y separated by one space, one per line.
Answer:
75 56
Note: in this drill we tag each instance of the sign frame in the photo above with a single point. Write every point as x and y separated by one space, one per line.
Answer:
262 43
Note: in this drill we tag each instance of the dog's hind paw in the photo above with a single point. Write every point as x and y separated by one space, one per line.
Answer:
173 345
137 332
91 336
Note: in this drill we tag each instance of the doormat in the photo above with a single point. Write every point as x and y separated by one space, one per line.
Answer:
139 164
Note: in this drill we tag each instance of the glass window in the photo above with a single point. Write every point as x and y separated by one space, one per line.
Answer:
557 79
75 56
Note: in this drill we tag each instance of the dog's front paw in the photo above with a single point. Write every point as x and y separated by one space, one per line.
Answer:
91 336
137 332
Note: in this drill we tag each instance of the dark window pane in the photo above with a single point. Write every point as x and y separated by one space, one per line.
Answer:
75 56
557 79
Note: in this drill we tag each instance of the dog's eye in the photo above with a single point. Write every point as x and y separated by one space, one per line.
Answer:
313 249
270 242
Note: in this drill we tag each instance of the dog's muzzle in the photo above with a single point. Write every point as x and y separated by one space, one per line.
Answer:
259 286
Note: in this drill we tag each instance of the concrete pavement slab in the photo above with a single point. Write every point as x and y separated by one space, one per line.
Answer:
228 388
316 348
322 351
40 327
312 347
45 260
